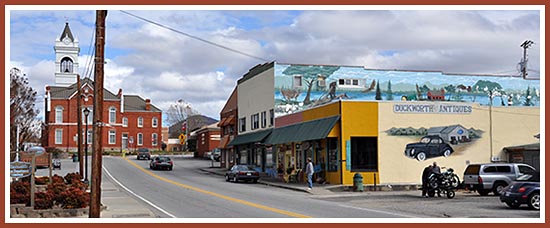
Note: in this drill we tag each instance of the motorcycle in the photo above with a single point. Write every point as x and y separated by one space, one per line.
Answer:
445 183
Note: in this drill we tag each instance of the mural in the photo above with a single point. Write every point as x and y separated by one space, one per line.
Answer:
299 87
436 141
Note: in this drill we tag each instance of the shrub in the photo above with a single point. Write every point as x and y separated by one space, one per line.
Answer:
43 200
75 198
70 178
57 179
41 180
20 192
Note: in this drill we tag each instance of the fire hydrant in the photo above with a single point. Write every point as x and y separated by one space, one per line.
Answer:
357 182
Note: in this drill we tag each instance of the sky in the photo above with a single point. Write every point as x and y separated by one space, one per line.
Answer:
166 65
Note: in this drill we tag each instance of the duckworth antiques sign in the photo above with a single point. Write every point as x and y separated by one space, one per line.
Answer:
436 108
20 169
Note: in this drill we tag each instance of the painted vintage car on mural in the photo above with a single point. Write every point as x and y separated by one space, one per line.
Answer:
430 146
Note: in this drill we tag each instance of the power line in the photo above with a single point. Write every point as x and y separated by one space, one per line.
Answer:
195 37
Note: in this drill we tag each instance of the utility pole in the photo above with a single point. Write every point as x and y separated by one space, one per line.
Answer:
95 197
79 125
526 44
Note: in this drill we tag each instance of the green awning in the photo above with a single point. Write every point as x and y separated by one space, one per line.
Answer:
253 137
311 130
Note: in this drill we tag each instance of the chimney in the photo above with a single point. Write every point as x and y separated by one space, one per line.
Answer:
119 94
147 104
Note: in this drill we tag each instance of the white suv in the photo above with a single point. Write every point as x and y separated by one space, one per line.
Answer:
485 178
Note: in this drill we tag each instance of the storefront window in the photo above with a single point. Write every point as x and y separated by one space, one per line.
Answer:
332 151
243 157
364 153
269 157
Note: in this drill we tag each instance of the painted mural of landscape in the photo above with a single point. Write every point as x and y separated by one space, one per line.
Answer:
299 87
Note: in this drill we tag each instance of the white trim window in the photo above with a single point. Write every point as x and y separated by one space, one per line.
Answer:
154 138
242 124
140 121
139 139
264 119
124 122
155 122
112 115
58 136
90 115
112 137
255 121
351 82
59 114
271 117
297 82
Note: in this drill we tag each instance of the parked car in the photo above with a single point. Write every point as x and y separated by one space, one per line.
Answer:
215 155
56 164
525 190
485 178
242 172
143 153
161 162
429 146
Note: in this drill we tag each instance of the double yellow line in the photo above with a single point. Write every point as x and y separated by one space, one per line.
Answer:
292 214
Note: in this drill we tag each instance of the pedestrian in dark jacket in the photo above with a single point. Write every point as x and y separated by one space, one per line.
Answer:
425 180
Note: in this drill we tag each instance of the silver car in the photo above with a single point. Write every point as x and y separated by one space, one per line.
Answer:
485 178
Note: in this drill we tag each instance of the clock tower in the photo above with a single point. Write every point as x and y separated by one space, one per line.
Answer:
66 58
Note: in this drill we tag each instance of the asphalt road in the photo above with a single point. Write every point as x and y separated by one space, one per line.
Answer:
187 192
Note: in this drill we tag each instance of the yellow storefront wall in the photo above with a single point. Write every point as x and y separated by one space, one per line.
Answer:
358 119
510 126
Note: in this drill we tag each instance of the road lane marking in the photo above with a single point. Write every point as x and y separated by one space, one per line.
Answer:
377 211
292 214
136 195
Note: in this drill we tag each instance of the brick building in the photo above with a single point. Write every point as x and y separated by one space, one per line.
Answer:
131 122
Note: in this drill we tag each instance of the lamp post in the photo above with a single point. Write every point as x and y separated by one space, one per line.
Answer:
492 94
86 113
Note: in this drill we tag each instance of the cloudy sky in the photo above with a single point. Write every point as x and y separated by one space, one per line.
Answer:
167 65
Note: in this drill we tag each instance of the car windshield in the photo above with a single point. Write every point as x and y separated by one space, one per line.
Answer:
243 168
143 150
163 159
529 177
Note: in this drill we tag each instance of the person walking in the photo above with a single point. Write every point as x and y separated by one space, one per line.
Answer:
309 173
425 180
437 172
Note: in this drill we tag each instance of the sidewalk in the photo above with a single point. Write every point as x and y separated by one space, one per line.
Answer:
321 189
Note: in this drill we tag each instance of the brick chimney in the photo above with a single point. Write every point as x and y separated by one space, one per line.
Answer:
147 104
119 93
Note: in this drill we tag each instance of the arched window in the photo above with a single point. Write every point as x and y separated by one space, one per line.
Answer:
66 65
112 115
140 139
155 122
124 122
59 114
154 138
140 121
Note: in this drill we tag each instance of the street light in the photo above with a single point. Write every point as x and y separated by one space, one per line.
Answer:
86 113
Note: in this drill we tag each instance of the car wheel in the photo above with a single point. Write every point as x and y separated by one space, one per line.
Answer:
421 156
170 168
534 201
483 192
497 188
235 179
255 181
226 178
447 152
431 193
513 205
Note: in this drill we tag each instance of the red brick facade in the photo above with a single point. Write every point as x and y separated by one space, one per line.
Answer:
208 138
68 126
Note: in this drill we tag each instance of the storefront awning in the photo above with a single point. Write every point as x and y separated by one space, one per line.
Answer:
254 137
311 130
522 148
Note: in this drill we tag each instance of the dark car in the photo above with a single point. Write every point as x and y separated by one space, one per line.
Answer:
429 146
242 172
525 190
161 162
143 153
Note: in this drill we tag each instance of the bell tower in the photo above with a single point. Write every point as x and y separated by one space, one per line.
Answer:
66 58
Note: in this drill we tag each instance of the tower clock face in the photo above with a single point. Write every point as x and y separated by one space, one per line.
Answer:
66 40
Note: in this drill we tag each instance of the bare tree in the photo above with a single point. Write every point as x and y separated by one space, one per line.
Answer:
22 111
180 111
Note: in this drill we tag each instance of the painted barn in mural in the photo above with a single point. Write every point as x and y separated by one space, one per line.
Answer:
368 121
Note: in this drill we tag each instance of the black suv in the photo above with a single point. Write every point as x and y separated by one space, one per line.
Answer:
429 146
143 153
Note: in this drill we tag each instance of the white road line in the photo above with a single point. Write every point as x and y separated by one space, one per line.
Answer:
378 211
136 195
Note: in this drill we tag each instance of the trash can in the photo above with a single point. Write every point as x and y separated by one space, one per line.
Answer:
357 182
75 158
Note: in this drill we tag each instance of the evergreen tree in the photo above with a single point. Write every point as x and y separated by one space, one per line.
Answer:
390 93
528 101
378 93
